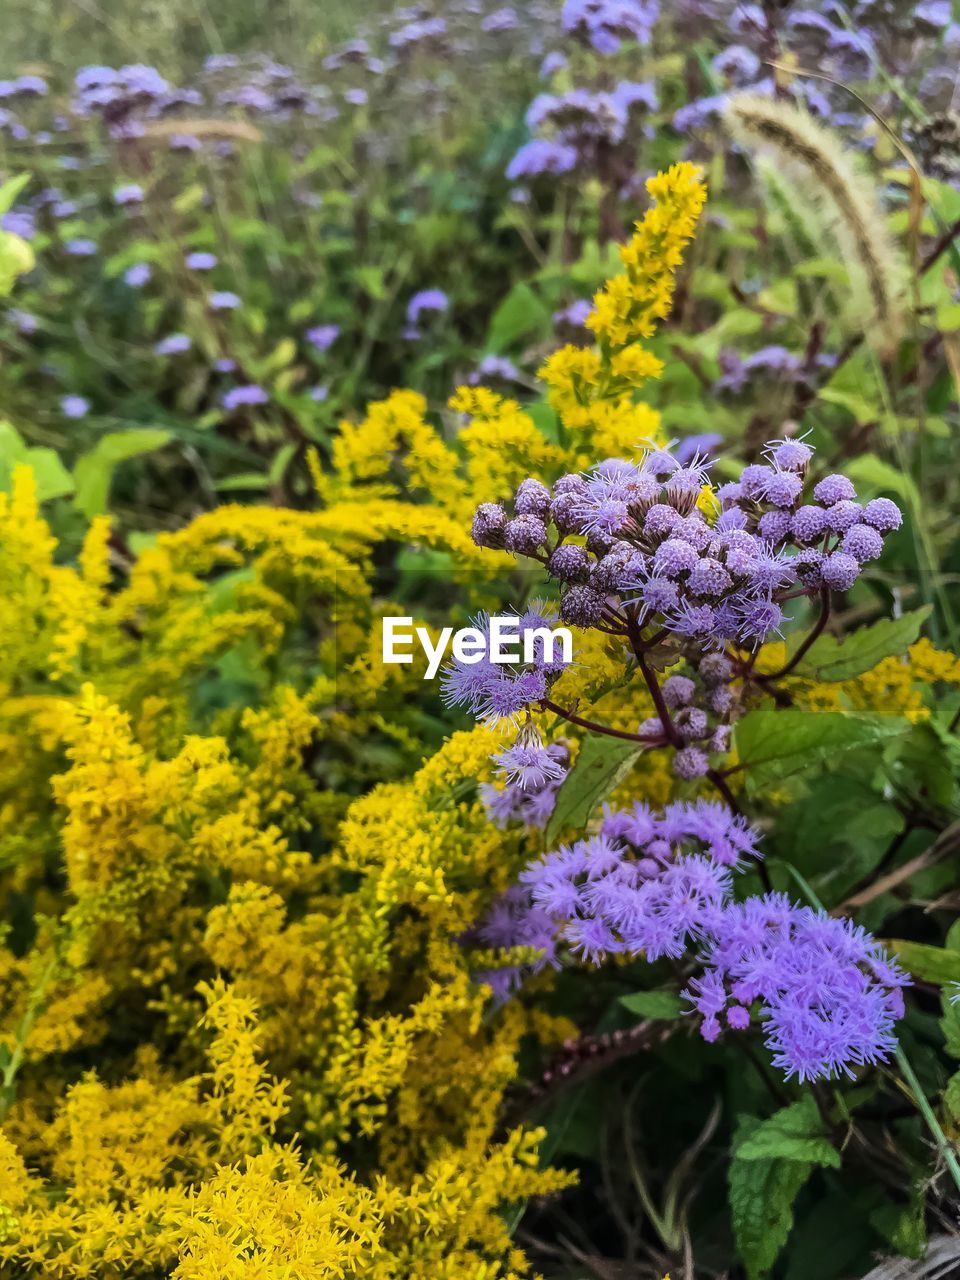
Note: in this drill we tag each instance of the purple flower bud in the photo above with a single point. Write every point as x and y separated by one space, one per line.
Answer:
488 525
569 564
582 606
840 571
789 455
863 543
674 557
532 499
883 514
691 723
659 595
570 484
809 567
758 618
660 520
678 691
775 525
730 493
719 699
782 488
732 518
808 524
524 534
714 669
690 762
843 515
754 479
833 489
651 728
738 1017
565 511
709 578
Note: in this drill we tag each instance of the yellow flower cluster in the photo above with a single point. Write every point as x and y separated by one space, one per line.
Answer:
594 390
894 687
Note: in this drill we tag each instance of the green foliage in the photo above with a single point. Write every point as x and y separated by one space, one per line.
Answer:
603 762
773 744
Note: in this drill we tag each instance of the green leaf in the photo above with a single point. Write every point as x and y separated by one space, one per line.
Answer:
93 473
52 478
950 1023
521 313
948 317
10 189
602 763
873 474
830 659
930 964
761 1195
795 1133
951 1098
773 743
654 1004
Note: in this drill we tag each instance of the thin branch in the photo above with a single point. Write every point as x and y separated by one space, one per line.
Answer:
808 643
596 727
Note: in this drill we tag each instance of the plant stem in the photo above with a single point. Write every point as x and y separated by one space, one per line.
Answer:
925 1109
595 727
808 643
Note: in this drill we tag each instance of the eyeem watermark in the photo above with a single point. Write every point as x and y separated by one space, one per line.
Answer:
502 642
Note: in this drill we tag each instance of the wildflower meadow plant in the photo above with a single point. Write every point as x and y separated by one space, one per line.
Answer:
638 956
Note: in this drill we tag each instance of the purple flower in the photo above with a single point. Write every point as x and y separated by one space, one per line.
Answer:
542 156
138 275
74 406
23 321
528 764
494 367
175 344
319 393
200 260
426 301
19 222
132 193
575 315
323 336
223 300
493 691
605 24
239 397
829 996
80 247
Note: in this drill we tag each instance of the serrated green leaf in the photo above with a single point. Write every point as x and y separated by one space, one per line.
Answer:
654 1004
761 1195
830 659
602 763
794 1133
773 743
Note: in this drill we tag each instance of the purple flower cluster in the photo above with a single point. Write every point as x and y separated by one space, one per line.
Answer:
824 990
646 882
915 41
605 24
652 556
534 774
494 691
769 363
512 922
